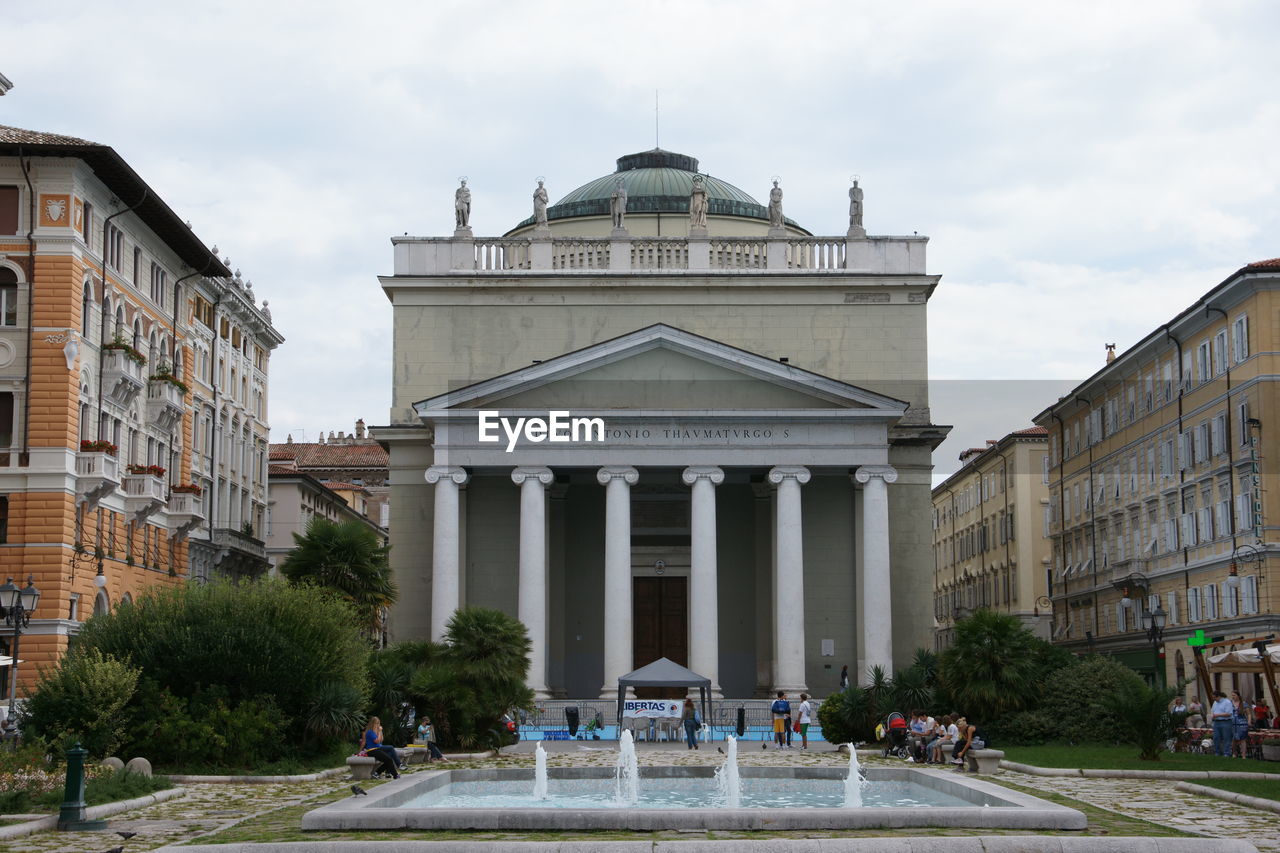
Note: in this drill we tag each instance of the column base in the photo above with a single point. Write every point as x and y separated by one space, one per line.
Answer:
790 689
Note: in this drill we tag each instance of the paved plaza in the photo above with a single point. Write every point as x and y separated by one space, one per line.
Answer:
207 809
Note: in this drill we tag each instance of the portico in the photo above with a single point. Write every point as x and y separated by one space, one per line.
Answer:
831 429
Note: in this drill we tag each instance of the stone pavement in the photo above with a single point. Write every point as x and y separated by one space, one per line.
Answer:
207 808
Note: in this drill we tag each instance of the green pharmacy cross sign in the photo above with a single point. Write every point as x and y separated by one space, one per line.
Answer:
1198 639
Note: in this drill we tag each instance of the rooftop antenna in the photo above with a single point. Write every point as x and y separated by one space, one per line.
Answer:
655 119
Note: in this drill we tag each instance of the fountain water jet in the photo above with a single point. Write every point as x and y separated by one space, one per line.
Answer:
540 773
853 783
627 772
728 785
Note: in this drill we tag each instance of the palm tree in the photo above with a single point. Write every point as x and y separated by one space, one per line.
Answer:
348 558
992 666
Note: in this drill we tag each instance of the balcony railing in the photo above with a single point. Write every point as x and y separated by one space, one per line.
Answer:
186 511
234 540
855 254
97 475
121 377
143 494
164 404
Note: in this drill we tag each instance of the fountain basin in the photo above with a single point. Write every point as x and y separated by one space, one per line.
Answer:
400 804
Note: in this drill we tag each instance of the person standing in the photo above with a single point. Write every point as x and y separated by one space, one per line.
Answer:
1239 725
1220 713
806 716
781 710
844 677
689 716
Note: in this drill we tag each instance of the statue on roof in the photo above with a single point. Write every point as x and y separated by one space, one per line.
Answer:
462 205
540 200
698 204
855 205
775 205
618 203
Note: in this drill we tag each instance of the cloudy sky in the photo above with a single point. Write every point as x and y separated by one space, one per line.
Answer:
1084 169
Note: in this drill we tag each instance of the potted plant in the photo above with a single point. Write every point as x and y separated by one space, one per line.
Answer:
98 446
119 343
187 489
154 470
165 374
1271 748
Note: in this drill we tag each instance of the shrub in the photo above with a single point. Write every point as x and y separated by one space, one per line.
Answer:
83 698
1076 698
1024 728
477 677
1143 716
261 659
849 716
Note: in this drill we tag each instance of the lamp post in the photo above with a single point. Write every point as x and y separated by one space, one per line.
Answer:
16 607
1153 621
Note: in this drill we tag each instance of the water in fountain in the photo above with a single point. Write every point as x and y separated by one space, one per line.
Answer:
539 773
853 783
627 771
728 785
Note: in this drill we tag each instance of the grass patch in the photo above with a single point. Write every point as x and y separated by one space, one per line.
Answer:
1100 757
1267 789
121 785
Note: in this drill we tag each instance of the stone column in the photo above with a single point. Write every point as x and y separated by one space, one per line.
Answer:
618 658
532 602
789 603
704 591
877 616
445 547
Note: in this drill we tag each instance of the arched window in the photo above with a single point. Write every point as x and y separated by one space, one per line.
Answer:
8 297
85 314
101 604
119 330
137 333
151 350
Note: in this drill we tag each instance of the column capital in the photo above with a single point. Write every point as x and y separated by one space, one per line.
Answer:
436 473
542 475
625 473
799 473
694 473
883 472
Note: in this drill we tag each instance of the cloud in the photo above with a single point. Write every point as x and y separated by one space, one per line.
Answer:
1085 169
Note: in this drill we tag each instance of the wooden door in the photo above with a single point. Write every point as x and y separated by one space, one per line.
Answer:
660 622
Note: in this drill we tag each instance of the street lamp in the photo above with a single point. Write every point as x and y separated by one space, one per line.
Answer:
16 607
1153 621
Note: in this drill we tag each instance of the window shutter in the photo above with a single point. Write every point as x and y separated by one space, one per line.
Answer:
1172 607
1249 594
1210 594
1193 605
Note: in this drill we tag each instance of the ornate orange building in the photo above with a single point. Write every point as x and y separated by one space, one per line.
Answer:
116 325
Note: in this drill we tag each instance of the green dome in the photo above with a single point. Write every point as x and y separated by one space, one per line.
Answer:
657 181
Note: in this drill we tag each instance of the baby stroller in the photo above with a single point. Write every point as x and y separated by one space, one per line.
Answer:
895 726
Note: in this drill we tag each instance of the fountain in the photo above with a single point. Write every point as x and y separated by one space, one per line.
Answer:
853 783
627 772
728 785
540 773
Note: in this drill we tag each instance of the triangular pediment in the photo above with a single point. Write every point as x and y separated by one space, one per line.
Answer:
661 368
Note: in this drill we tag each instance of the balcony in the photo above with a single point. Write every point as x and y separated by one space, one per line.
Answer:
186 512
164 403
97 475
1130 573
122 378
233 553
143 494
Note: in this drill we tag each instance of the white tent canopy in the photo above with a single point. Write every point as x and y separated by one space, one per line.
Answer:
1244 660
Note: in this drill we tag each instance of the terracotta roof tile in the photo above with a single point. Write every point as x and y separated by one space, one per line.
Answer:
344 487
1273 263
1031 431
308 456
36 137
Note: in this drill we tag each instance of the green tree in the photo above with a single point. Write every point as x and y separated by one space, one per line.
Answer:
1143 717
992 667
348 558
475 677
1077 699
82 699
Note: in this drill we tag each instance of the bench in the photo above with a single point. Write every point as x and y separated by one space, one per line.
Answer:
362 766
984 761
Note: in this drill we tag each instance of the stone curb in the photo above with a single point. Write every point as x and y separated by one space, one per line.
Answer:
92 813
1231 797
1088 773
971 844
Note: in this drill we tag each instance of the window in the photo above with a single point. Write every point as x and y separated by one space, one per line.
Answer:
1220 353
1203 367
88 225
1218 434
159 281
137 264
1193 605
1244 512
1242 417
1186 371
8 297
1249 594
1122 614
113 250
1229 608
1209 600
1171 608
9 210
1239 337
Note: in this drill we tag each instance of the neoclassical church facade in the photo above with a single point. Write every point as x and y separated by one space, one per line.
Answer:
749 492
